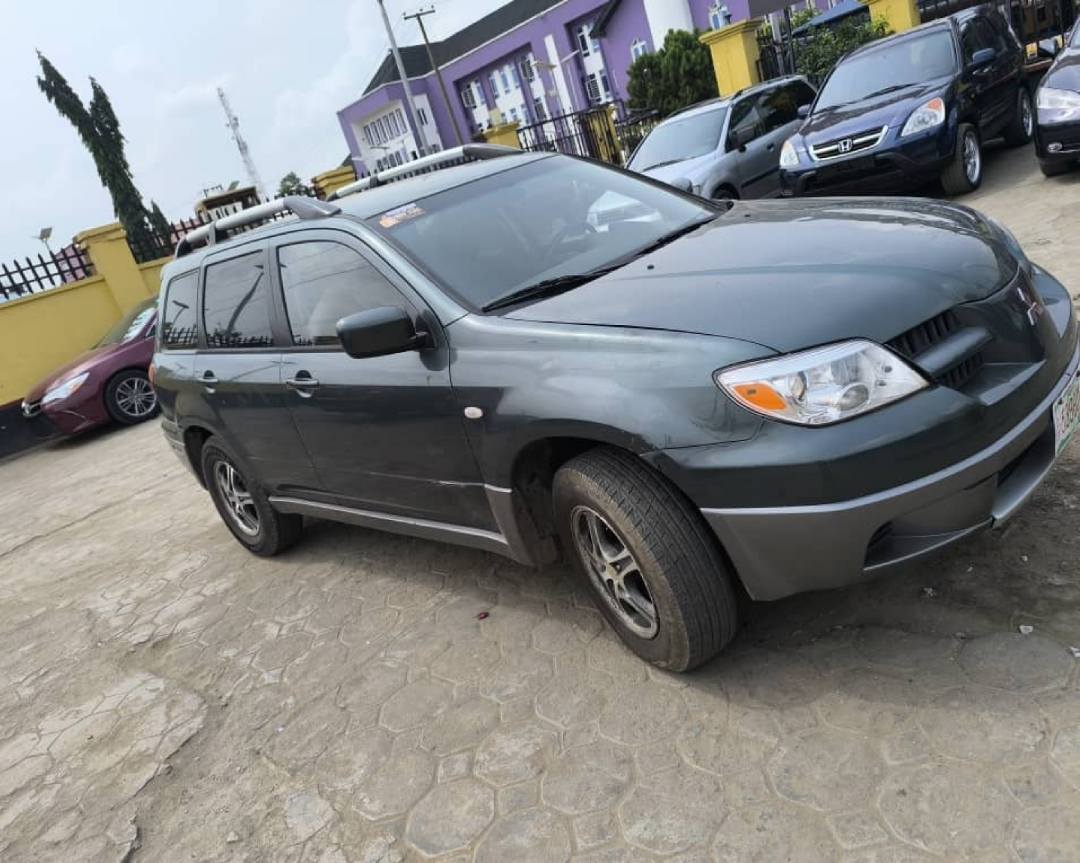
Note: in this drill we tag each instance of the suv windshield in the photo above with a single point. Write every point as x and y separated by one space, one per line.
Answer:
890 67
549 219
130 325
677 140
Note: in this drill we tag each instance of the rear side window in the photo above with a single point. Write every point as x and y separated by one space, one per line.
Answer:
324 282
236 304
802 92
778 107
178 329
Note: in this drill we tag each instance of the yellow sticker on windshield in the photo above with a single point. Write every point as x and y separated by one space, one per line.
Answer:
401 214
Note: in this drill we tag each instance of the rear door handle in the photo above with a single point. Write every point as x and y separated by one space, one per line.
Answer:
303 384
209 380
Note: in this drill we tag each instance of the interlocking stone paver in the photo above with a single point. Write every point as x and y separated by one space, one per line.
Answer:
829 770
947 808
1014 661
451 816
344 703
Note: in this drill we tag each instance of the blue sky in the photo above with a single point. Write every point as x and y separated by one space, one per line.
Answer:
286 66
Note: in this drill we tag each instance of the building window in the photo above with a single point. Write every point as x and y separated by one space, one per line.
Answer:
468 96
585 43
528 70
493 79
401 121
505 79
638 48
605 88
719 16
539 108
423 116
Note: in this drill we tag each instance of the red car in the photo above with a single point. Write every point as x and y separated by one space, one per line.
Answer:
108 382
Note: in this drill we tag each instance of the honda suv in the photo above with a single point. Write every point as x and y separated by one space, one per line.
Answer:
913 108
683 397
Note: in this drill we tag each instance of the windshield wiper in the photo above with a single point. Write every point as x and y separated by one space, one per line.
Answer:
892 88
672 236
546 288
660 165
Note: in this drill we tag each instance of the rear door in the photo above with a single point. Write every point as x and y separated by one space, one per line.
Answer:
238 369
385 433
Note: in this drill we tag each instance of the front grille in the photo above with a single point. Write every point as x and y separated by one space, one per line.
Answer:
858 143
930 333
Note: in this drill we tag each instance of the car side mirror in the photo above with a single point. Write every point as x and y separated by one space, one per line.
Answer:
683 184
379 332
982 57
802 112
740 138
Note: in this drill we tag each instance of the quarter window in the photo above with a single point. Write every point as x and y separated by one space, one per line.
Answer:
638 48
236 304
178 329
324 282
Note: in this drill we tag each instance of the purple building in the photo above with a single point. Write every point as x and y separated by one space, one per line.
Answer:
528 61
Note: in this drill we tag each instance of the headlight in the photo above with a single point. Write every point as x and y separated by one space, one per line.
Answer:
788 157
823 385
65 390
1057 106
928 116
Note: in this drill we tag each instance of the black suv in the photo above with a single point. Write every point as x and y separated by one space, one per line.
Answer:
913 108
532 352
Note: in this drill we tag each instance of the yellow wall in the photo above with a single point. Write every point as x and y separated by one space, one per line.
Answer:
41 332
505 134
901 15
328 182
735 53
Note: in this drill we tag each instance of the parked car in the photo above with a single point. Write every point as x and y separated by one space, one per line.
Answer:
108 383
913 108
1057 131
727 147
786 395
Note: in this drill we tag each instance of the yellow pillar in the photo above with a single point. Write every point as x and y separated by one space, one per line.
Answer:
734 54
108 250
328 182
503 133
901 15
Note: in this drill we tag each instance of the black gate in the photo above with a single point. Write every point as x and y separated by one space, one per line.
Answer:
591 133
775 59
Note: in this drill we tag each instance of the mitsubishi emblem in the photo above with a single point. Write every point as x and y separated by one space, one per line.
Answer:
1032 307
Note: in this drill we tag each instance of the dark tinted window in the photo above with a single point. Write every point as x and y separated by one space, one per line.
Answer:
236 304
129 326
746 124
178 316
680 139
777 107
891 66
977 35
802 92
323 282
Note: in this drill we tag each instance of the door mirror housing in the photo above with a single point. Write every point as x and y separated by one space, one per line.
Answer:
802 112
683 184
740 138
983 57
379 332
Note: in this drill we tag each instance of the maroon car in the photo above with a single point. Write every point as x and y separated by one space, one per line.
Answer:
108 382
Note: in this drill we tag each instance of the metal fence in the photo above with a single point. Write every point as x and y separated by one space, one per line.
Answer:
153 245
589 133
19 279
1033 21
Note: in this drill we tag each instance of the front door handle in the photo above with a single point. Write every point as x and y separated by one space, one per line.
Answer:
209 380
771 146
303 384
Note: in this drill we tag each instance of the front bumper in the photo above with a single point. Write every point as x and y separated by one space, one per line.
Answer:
894 165
1057 144
779 551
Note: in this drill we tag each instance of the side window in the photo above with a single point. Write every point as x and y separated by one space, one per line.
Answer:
236 304
977 35
178 331
325 281
745 123
804 94
778 108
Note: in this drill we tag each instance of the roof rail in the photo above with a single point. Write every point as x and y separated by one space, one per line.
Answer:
426 164
217 231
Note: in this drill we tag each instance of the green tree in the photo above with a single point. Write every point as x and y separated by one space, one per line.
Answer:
99 130
817 53
291 185
679 74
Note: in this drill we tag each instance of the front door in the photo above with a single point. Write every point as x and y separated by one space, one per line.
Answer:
384 433
237 371
756 148
994 81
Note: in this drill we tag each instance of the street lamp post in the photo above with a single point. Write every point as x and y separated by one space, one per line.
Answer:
404 80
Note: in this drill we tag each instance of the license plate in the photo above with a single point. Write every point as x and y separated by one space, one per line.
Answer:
1067 413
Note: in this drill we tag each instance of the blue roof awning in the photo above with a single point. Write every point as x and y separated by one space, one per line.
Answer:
840 10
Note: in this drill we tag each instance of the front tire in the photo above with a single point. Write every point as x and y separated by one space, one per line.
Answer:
244 506
964 173
655 572
1022 126
130 397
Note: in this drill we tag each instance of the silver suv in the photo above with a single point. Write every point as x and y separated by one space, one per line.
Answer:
727 147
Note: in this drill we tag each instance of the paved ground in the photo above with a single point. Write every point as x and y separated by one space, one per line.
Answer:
166 697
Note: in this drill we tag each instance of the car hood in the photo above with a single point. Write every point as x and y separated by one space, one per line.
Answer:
1064 74
83 362
691 169
794 274
888 109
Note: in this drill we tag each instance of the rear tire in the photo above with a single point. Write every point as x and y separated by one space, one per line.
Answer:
1054 169
130 398
964 173
244 506
1022 126
654 569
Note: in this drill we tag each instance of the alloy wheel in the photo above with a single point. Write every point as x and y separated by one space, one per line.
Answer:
238 500
972 158
614 571
135 398
1027 116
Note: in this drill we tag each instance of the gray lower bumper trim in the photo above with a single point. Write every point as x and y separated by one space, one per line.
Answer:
779 551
